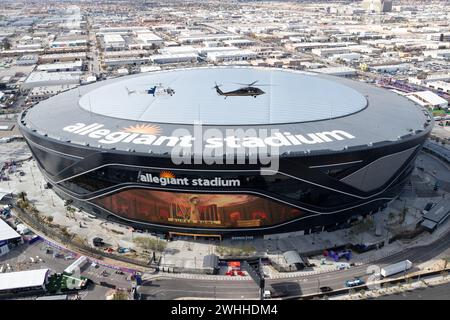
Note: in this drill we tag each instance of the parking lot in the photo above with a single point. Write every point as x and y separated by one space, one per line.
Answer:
16 150
41 255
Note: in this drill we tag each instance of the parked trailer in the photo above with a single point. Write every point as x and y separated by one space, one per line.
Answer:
396 268
77 264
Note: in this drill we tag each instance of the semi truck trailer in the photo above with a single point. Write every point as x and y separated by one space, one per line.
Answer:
395 268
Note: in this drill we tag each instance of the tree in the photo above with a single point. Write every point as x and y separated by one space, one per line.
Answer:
6 44
34 210
70 210
23 196
120 295
23 202
404 212
446 260
391 215
150 244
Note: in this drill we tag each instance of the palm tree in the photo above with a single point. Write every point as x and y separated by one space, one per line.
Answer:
446 260
6 44
23 196
120 295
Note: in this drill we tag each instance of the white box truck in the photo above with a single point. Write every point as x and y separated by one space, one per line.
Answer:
395 268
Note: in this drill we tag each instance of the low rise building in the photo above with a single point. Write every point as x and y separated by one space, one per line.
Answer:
174 58
45 79
41 93
149 38
27 60
439 36
124 54
439 86
30 46
207 37
437 215
346 57
62 57
132 61
113 41
61 66
239 42
227 56
391 68
203 52
327 52
178 50
443 54
68 43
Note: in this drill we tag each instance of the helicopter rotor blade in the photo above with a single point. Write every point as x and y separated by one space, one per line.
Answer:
258 85
246 84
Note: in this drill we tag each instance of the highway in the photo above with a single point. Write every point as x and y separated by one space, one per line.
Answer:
167 288
441 292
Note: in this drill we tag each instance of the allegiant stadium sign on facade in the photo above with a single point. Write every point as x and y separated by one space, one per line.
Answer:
171 180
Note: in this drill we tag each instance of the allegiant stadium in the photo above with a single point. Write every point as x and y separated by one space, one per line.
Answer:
343 149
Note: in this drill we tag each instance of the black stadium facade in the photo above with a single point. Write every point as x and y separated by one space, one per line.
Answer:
345 148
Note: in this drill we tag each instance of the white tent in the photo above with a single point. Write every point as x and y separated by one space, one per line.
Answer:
428 98
6 232
23 279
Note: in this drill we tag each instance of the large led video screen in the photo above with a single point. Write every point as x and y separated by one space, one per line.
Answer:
197 209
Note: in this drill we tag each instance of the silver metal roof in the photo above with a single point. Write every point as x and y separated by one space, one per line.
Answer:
292 257
388 117
290 96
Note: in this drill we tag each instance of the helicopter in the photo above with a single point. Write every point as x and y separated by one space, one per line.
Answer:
156 90
247 91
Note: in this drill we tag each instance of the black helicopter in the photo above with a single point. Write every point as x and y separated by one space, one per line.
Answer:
247 91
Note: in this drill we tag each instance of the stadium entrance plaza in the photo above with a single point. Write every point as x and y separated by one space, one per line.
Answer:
188 254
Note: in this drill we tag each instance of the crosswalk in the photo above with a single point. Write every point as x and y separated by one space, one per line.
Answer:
98 273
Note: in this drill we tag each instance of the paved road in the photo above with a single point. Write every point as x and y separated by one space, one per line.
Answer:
337 279
437 168
441 292
94 63
169 289
176 288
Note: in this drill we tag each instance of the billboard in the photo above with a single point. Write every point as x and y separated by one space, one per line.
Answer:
197 209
